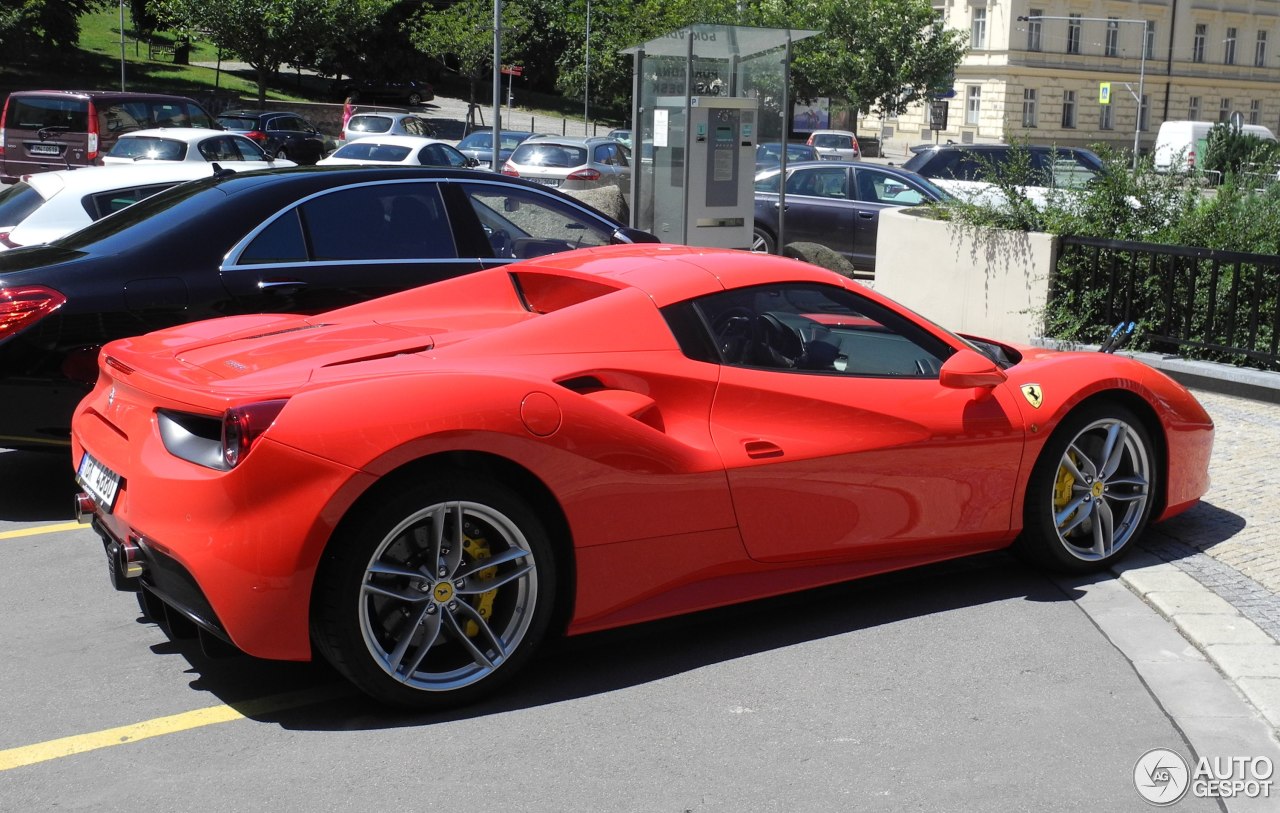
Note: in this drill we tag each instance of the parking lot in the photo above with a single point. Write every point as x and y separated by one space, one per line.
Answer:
973 685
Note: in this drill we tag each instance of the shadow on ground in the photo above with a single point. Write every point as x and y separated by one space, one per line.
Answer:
38 486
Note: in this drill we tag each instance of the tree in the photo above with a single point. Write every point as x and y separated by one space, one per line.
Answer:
463 34
268 33
42 25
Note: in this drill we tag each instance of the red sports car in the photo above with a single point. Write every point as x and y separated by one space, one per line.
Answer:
421 487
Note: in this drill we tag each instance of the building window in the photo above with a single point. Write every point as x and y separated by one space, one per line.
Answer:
973 104
1197 44
1260 50
1149 40
1073 34
1144 111
1112 44
1255 111
1104 118
1193 108
1029 107
978 33
1033 29
1229 48
1224 109
1069 109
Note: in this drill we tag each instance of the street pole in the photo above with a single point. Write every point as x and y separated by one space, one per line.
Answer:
1142 66
586 78
122 45
497 84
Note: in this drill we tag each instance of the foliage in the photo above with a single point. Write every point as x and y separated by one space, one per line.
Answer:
1230 149
268 33
42 27
463 34
1183 297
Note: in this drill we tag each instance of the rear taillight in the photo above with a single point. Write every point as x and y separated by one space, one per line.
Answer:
243 425
509 169
256 135
810 141
587 174
3 115
22 307
91 151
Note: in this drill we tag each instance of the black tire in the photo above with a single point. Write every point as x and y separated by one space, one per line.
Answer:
415 99
282 153
763 242
462 641
1082 513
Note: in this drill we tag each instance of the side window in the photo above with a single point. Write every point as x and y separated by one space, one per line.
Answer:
196 117
247 149
823 182
814 328
167 114
280 242
381 222
219 149
118 119
522 223
881 187
769 183
100 204
412 126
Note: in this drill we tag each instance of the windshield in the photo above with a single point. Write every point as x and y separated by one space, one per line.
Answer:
149 147
476 141
16 203
368 151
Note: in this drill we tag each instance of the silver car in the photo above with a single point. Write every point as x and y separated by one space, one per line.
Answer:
571 163
367 124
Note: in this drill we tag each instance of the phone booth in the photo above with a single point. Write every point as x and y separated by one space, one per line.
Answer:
704 98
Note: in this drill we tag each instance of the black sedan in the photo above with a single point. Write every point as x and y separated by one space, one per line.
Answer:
284 135
836 204
412 92
300 240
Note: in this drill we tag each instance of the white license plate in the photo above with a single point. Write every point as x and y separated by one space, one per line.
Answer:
45 149
549 181
101 482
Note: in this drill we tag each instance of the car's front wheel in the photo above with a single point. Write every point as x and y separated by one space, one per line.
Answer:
282 153
436 592
1091 491
415 99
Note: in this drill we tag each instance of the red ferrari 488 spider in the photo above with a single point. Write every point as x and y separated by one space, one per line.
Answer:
422 487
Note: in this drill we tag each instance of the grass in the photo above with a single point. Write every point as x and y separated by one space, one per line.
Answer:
96 65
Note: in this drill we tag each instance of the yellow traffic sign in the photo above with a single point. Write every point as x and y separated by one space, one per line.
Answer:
1104 93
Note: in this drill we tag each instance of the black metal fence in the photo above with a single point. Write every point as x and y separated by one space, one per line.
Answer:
1195 302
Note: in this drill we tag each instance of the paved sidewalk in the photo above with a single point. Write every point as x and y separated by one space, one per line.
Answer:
1215 571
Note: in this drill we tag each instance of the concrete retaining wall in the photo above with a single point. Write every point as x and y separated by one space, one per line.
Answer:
986 282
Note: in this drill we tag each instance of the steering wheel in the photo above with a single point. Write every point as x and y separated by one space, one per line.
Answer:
500 242
778 344
735 331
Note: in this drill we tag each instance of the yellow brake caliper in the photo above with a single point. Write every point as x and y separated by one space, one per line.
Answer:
478 550
1062 485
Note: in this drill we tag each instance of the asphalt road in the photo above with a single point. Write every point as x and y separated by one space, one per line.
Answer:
978 685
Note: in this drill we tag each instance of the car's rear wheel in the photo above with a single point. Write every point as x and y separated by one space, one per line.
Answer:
435 593
762 242
1091 492
282 153
415 99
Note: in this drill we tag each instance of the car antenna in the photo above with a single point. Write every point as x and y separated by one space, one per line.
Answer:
219 171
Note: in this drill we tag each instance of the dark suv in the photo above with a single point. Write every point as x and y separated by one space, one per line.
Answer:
1053 167
42 130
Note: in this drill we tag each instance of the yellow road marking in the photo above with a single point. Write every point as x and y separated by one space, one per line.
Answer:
187 720
42 529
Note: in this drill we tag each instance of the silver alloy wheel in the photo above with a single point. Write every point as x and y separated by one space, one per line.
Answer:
448 595
1100 492
760 243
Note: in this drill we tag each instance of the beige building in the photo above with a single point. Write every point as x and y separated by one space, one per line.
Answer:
1041 79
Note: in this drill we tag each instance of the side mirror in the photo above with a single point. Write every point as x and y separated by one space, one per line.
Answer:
471 162
968 369
626 234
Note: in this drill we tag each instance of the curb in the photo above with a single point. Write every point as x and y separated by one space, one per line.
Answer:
1241 650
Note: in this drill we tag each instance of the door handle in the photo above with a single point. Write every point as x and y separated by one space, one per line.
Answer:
758 449
867 215
278 284
780 206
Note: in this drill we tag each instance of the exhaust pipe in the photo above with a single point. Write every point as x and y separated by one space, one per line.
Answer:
85 506
129 561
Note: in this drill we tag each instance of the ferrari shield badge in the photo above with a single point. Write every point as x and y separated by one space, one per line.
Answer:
1033 395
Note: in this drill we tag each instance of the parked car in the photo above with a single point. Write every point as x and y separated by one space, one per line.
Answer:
195 144
479 145
44 130
835 145
362 125
405 150
1182 145
47 205
282 134
412 92
836 204
303 241
623 135
768 155
423 488
571 163
967 170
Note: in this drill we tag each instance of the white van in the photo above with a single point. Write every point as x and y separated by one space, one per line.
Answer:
1181 145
